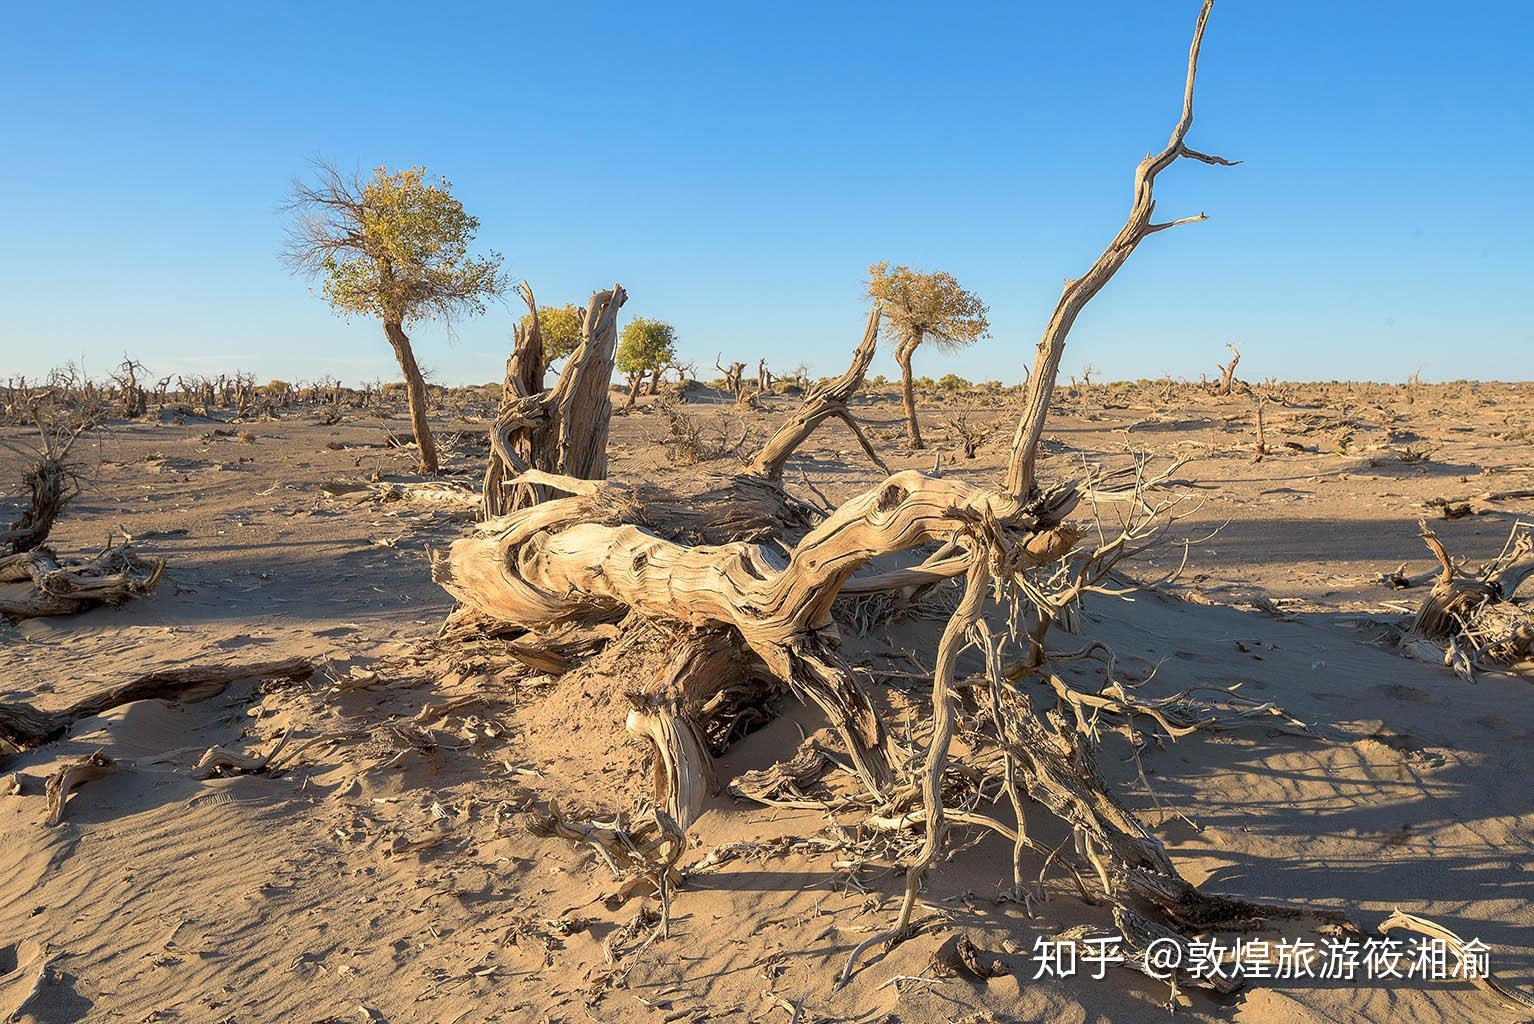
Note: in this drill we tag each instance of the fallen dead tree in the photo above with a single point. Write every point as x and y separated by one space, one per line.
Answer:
738 614
37 583
23 727
1471 621
34 581
69 777
448 495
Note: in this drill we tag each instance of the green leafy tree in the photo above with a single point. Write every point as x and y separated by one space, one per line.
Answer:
645 346
920 305
393 246
560 327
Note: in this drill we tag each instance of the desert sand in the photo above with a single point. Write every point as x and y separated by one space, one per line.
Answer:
386 872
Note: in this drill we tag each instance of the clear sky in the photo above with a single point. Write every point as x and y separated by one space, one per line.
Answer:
736 167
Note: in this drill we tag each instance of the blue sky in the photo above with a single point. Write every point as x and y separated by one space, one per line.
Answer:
737 167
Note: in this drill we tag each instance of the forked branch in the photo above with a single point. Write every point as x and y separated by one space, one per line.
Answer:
1022 463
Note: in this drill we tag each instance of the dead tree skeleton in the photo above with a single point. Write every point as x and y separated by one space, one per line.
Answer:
1470 621
1228 371
744 611
734 376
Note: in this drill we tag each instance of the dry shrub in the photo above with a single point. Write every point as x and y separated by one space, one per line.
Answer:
689 442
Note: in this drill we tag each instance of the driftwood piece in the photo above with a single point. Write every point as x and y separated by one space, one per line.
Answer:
23 727
64 588
1512 998
444 494
825 400
216 762
1468 622
73 774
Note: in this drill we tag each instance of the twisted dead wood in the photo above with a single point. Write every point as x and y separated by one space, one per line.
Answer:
1468 621
552 564
561 430
35 583
1022 463
824 401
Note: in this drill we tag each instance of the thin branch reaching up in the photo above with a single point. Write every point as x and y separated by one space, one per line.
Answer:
1021 465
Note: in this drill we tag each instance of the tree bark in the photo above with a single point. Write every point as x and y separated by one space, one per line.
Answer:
583 396
564 429
903 356
415 391
636 381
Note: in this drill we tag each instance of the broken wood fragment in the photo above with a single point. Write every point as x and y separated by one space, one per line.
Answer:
72 774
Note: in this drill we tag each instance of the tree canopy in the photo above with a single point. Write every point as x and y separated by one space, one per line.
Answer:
560 327
919 305
645 345
394 246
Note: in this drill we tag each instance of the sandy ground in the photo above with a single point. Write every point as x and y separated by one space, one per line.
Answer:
359 884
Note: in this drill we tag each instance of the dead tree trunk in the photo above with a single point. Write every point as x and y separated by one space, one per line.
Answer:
763 377
563 430
51 587
1471 621
734 377
1228 371
825 400
1262 441
49 488
562 560
518 443
415 391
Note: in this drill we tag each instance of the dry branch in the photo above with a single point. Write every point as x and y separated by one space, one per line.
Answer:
23 727
1078 292
825 400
